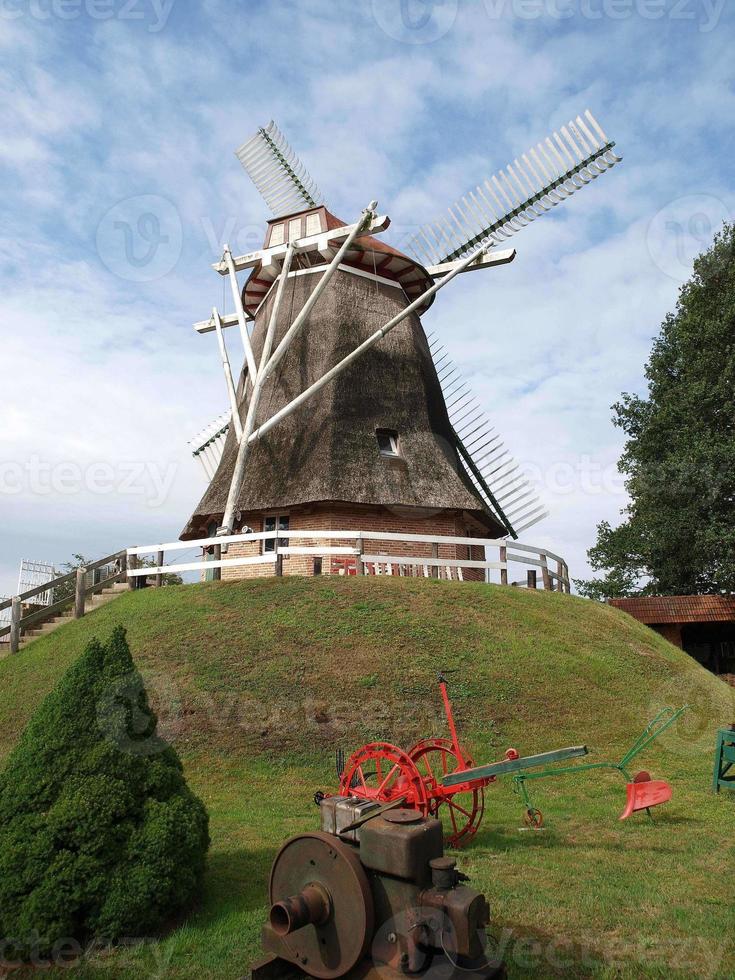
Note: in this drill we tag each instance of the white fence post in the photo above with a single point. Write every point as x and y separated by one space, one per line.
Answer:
370 551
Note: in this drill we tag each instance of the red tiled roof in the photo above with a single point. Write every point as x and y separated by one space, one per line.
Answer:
657 609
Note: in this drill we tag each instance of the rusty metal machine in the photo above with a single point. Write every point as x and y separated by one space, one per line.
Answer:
437 776
373 895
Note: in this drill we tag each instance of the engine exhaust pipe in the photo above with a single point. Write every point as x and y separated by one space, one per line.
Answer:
312 906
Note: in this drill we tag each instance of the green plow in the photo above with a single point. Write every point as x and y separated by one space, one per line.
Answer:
643 792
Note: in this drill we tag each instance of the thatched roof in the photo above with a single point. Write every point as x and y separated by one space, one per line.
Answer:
327 450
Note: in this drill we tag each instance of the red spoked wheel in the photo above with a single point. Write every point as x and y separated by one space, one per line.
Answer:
460 810
382 772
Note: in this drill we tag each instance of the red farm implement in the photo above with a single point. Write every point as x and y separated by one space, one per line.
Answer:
438 777
417 778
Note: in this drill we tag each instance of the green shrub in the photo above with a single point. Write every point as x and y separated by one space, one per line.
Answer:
100 837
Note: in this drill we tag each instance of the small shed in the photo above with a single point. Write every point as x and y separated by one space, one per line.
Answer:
702 625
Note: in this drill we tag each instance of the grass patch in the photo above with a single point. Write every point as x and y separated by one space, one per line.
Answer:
257 684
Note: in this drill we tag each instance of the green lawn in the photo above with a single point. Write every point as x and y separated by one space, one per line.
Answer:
258 683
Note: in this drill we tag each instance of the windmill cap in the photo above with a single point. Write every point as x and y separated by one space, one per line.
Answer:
366 254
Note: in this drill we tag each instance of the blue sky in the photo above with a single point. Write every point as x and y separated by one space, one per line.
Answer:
114 111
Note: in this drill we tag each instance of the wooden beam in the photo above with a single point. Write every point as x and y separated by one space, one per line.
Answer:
80 593
484 261
16 614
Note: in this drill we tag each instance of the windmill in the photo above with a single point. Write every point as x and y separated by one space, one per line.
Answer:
343 404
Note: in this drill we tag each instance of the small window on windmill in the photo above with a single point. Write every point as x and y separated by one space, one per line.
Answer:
294 229
387 442
313 223
276 235
274 522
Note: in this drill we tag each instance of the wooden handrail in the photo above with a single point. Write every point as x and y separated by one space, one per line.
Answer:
19 622
105 561
46 587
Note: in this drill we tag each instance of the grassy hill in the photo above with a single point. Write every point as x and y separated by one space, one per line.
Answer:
257 684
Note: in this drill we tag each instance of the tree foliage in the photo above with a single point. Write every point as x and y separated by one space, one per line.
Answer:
678 535
100 837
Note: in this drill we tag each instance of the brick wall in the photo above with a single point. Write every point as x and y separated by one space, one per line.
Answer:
670 632
350 517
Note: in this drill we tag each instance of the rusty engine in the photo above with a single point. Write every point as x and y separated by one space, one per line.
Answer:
372 893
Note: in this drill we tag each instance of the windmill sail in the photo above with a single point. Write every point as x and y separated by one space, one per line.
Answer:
533 184
277 172
33 573
496 475
208 444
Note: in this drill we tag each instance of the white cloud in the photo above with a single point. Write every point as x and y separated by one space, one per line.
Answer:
100 369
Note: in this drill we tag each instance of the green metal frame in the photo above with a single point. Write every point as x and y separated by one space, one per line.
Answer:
462 776
724 773
663 720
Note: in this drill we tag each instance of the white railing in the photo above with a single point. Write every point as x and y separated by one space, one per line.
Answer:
360 556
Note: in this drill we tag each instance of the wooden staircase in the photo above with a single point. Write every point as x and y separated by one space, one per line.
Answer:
94 602
85 588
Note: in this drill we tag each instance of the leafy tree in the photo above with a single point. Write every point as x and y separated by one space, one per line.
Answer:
678 536
67 590
100 837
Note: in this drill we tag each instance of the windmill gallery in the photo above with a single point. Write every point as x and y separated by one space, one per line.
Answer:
346 421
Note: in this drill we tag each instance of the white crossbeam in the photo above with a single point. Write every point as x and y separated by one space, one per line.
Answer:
308 306
240 313
311 243
484 261
269 361
230 384
226 320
